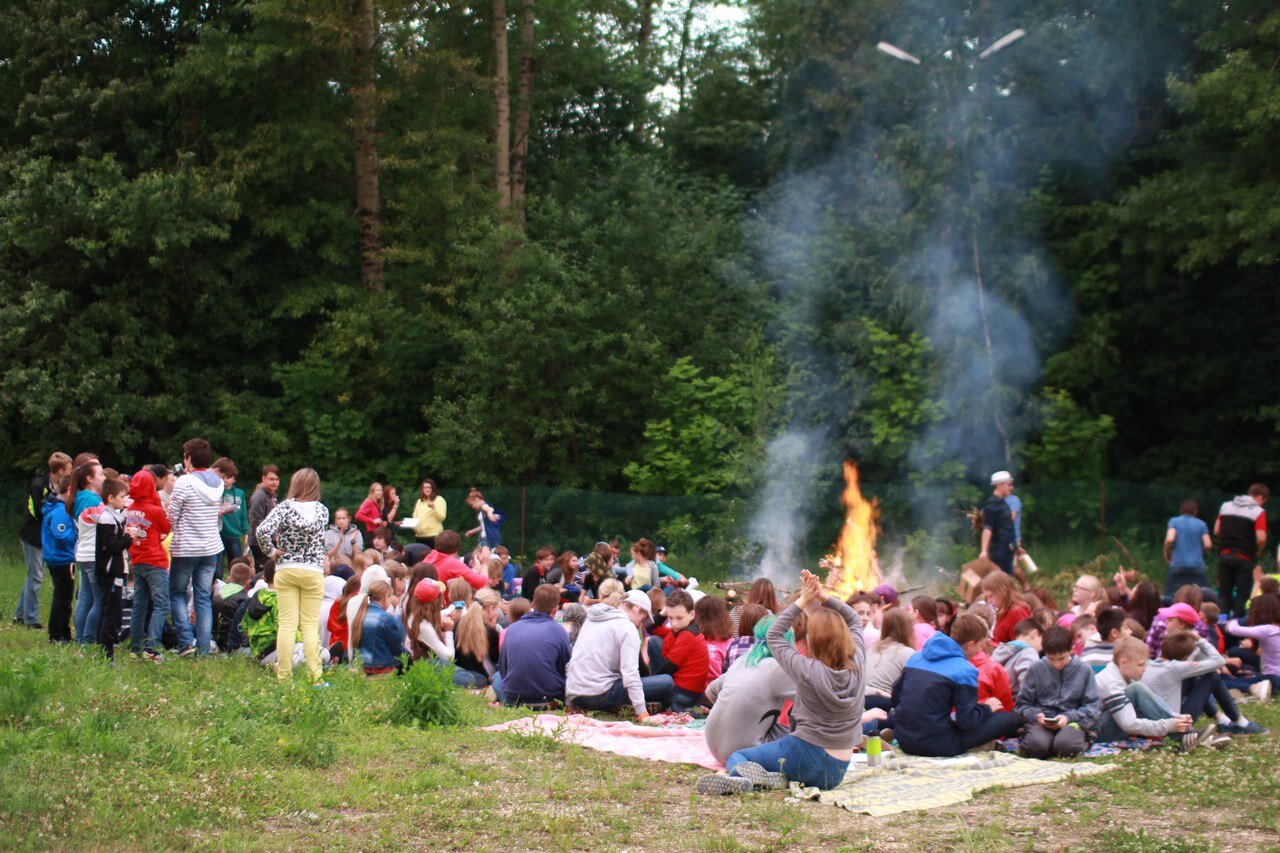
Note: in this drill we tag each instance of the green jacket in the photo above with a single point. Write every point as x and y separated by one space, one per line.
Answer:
235 524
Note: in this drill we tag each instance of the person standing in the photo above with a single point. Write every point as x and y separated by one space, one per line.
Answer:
234 510
195 548
297 526
1186 540
429 510
38 491
999 536
489 521
87 478
1241 529
261 503
150 567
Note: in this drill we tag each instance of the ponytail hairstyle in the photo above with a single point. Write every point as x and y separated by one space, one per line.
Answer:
379 591
349 591
459 590
926 609
761 649
81 473
416 611
471 634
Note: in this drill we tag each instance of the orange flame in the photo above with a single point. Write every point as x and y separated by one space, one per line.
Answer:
854 565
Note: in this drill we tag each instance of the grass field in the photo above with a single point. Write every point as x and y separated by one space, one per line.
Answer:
214 754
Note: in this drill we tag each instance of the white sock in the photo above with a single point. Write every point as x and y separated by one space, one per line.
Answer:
1223 719
1241 721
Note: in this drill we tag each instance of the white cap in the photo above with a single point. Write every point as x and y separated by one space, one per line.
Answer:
1001 477
697 595
639 599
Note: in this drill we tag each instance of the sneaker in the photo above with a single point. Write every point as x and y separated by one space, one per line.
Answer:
759 777
154 657
1196 738
1251 728
1218 741
719 783
35 626
652 708
1261 690
189 651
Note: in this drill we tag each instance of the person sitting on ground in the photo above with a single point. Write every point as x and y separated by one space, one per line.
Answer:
1176 617
1001 592
712 617
993 681
1185 676
762 592
376 634
741 644
543 560
1209 613
747 700
448 566
1018 655
1084 632
1131 709
342 541
1059 701
1111 627
260 623
517 609
924 614
867 606
935 702
827 715
888 657
667 575
227 601
533 658
339 630
1086 597
1264 629
508 569
642 571
476 642
1144 603
428 624
946 614
572 618
677 649
604 672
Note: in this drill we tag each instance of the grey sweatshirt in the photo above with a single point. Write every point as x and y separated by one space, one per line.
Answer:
828 708
1111 685
885 664
1071 692
1165 677
608 648
746 702
1016 657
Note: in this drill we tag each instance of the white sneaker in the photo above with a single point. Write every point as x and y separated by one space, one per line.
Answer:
1261 690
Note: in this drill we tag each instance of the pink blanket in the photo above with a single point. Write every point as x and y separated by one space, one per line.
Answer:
675 744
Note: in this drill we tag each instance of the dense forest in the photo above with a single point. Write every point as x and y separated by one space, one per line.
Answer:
617 244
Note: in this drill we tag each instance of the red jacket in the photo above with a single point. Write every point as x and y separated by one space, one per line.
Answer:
1003 632
147 512
337 624
687 652
370 514
448 567
993 680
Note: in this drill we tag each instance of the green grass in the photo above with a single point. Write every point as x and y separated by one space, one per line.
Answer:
215 754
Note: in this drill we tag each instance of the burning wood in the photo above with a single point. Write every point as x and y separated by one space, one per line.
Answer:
854 566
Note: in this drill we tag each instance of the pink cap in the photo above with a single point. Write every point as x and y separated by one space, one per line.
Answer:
427 590
1182 611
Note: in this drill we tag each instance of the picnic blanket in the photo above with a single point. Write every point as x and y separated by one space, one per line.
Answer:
1096 750
676 743
904 783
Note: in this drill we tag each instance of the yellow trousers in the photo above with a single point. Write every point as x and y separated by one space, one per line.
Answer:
299 593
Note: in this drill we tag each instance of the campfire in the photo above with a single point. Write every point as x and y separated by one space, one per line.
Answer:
853 566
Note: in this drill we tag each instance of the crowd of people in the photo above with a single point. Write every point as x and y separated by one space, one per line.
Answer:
181 561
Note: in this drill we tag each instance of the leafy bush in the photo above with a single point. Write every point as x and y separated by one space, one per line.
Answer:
427 697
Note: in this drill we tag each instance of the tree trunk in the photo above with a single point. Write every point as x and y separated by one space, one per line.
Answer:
686 39
502 106
364 98
646 26
524 92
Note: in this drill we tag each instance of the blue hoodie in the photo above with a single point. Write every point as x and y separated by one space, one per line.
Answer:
57 533
936 679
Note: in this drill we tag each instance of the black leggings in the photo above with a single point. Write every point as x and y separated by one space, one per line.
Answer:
64 587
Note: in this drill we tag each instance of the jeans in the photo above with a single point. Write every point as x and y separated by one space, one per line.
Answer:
1244 684
1146 704
298 593
232 547
193 574
1197 691
150 595
657 688
28 610
470 680
1040 742
89 606
1180 576
802 762
64 590
1235 582
681 699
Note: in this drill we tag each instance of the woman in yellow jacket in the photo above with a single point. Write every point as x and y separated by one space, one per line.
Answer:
429 510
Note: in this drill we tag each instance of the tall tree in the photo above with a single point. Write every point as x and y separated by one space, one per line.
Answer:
524 108
364 97
501 106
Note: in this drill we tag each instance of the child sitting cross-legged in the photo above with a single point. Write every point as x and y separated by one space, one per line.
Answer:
936 700
1130 708
826 717
679 650
1018 655
1058 699
1111 627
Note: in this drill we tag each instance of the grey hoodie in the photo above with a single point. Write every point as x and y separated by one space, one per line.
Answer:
1016 657
746 702
194 512
608 648
1165 677
828 708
